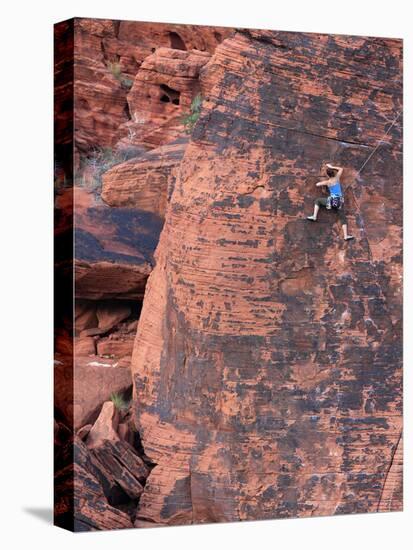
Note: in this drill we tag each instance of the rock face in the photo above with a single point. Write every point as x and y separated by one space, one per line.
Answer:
99 95
267 364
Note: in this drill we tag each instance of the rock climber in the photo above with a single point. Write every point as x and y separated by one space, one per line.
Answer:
335 200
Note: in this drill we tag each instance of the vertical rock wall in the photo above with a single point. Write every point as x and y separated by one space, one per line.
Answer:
267 364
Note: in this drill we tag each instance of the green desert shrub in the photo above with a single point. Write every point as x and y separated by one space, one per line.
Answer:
189 119
120 402
114 68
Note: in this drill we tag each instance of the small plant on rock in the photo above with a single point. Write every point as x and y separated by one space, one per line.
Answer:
115 69
121 404
98 161
190 118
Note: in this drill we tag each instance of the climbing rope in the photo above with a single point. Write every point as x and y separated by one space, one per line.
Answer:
362 228
378 144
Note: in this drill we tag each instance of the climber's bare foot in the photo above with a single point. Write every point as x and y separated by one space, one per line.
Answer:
348 238
311 218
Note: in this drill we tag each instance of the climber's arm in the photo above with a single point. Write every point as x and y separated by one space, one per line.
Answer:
338 168
321 183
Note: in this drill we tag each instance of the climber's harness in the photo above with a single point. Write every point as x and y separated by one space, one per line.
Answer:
334 201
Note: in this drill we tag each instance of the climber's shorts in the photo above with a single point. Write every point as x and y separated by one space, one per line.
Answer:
322 201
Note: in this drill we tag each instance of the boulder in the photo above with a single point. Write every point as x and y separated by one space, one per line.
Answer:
110 314
83 432
121 347
85 345
125 466
105 280
98 488
83 490
125 432
105 427
144 182
113 247
85 315
80 391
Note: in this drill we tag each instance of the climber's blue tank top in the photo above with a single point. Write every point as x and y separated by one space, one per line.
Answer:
336 189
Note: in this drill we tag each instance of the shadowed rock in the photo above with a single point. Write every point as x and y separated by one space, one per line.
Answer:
113 248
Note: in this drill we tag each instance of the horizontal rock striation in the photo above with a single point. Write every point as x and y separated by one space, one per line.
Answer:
267 364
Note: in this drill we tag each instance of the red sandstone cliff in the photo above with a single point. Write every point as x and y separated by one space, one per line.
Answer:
267 364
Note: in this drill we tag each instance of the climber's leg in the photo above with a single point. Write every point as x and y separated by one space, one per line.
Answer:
343 220
347 237
321 201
